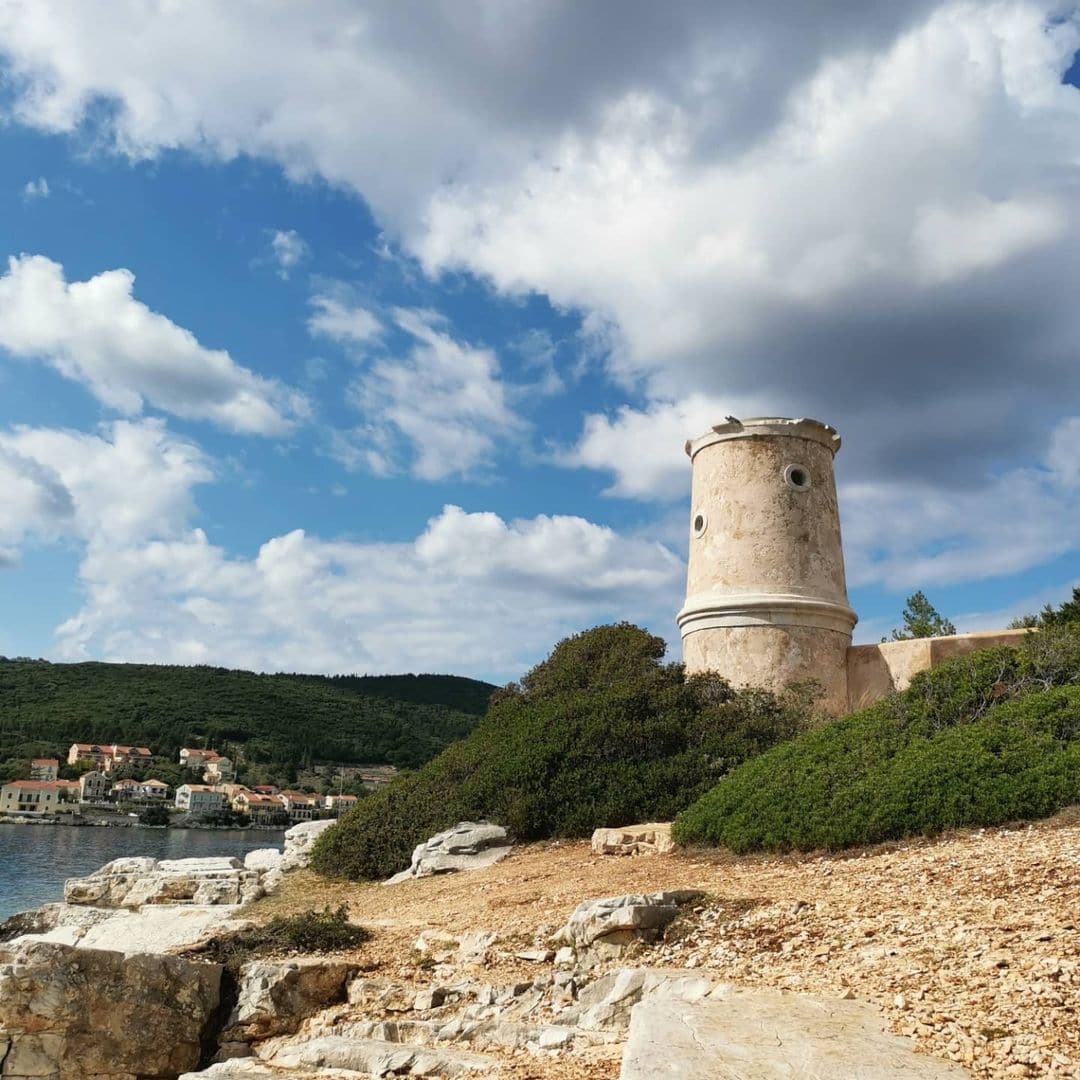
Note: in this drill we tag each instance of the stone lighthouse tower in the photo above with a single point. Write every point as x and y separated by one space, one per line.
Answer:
766 600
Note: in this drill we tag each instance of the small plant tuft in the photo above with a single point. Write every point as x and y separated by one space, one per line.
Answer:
325 931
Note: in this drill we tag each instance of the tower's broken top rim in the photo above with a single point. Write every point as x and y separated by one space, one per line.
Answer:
766 426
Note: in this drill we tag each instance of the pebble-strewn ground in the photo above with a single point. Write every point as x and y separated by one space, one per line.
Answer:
970 945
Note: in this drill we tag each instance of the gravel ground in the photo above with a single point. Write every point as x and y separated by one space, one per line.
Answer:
969 944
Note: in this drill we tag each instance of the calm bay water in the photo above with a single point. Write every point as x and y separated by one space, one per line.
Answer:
35 860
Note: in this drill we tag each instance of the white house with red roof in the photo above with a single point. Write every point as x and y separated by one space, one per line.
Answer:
44 768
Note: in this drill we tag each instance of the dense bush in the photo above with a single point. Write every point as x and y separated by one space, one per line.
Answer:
601 733
982 740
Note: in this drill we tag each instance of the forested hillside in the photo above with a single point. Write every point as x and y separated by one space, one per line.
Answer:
398 720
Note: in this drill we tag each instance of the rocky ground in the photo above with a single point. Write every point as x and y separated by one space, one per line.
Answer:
969 945
918 961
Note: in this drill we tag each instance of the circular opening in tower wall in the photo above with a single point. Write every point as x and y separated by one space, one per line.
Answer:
700 524
797 477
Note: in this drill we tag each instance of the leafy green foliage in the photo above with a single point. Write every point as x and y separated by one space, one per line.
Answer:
454 691
921 620
1066 612
984 739
600 733
274 719
326 931
155 814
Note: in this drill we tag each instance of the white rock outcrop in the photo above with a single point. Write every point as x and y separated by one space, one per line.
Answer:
652 838
469 845
263 859
274 996
299 840
92 1013
377 1058
616 921
133 882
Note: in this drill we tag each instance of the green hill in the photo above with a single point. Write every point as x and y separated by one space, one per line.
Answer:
400 720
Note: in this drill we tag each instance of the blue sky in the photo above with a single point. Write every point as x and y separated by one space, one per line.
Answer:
375 351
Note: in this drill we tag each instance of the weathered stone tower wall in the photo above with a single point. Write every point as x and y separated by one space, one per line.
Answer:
766 599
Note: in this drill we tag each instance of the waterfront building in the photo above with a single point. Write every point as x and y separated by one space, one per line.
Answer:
36 796
199 799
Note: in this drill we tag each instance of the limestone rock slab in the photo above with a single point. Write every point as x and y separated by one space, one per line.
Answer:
275 996
652 838
132 882
70 1012
263 859
469 845
768 1035
299 841
383 1058
618 920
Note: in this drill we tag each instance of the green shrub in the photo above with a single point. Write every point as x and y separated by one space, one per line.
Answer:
154 815
326 931
985 739
600 733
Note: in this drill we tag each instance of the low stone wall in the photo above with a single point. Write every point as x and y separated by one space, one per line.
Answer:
874 671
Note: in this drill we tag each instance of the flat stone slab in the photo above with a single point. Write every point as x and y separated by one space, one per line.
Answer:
151 929
251 1069
736 1034
379 1058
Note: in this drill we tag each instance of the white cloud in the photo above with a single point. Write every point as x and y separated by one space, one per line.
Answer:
855 206
288 248
341 321
473 594
875 183
36 189
96 333
953 243
444 400
864 212
910 535
644 448
35 502
125 485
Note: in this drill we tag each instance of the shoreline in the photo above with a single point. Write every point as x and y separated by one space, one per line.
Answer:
87 823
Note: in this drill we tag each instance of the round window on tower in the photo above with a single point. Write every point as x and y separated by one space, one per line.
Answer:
701 523
797 477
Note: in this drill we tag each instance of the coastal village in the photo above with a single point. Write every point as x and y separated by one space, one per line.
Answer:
101 786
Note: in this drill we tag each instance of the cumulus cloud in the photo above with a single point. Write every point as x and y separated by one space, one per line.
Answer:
35 502
473 594
36 189
911 534
858 211
864 212
128 483
96 333
339 320
442 404
644 448
288 248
